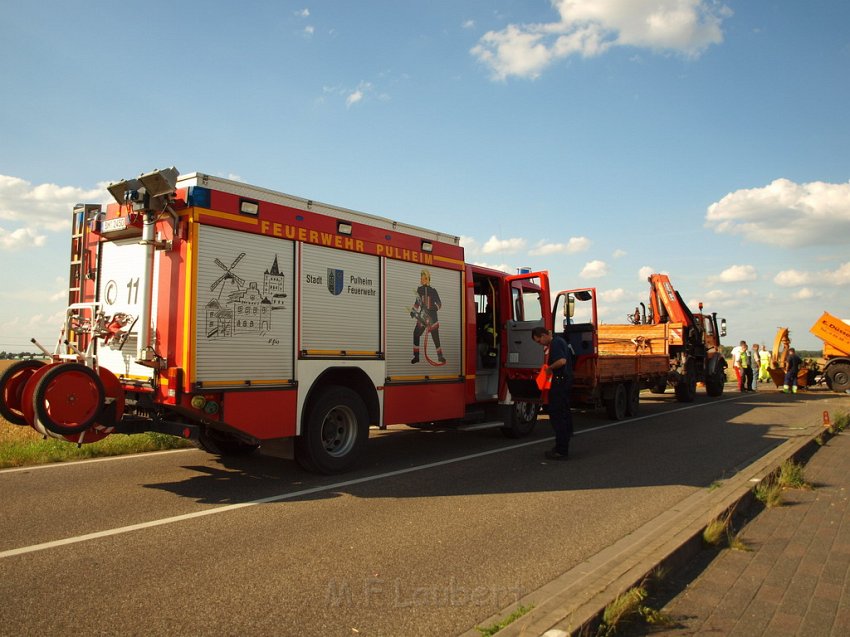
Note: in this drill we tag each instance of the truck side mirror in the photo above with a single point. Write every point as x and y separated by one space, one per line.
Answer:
722 327
570 306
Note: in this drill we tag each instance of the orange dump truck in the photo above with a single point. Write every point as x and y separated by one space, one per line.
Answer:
835 334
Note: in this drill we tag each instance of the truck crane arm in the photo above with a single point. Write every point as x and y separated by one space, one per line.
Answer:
665 303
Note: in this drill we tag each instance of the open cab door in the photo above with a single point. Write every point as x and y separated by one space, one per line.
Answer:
576 314
528 307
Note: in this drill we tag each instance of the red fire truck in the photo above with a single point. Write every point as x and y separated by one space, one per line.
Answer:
241 317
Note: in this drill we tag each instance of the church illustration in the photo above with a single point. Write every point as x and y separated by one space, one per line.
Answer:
247 308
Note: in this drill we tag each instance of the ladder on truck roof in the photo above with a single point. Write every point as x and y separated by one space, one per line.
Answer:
79 240
80 256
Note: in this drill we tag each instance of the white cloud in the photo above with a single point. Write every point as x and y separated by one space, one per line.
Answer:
502 267
469 244
591 27
468 24
37 208
612 296
494 244
644 272
575 244
358 94
309 30
20 239
792 278
786 214
804 294
735 274
618 253
303 13
354 97
594 269
824 278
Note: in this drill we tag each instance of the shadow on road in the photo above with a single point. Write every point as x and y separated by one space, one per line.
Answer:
667 444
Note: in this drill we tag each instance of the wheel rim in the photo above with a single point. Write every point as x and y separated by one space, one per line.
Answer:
841 378
526 412
339 431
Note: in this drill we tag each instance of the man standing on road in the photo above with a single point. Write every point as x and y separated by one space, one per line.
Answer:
755 365
792 368
736 363
559 369
744 368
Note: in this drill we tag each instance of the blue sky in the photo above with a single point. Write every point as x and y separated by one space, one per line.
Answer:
597 139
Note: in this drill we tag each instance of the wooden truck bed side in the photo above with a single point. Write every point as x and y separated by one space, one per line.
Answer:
636 340
629 351
626 352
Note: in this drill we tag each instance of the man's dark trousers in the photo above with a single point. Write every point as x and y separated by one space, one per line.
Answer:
559 413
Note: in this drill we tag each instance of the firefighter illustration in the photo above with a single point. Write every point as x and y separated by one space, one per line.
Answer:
425 310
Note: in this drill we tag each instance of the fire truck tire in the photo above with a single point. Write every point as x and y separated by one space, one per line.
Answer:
335 433
222 444
838 377
68 399
12 383
522 420
632 399
615 406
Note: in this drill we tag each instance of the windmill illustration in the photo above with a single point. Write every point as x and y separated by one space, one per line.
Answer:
228 275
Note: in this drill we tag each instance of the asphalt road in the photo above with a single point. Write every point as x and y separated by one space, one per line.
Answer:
435 531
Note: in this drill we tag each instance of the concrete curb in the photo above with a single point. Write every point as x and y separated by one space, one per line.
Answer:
573 603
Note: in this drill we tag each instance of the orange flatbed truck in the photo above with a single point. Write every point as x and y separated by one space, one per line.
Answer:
612 362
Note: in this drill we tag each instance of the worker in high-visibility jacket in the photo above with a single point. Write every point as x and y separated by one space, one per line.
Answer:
764 364
744 368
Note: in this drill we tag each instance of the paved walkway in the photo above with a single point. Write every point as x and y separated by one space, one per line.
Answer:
795 580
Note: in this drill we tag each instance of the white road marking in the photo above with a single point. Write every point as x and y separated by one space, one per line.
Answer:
329 487
55 465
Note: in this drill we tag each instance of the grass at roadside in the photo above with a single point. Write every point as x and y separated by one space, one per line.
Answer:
23 446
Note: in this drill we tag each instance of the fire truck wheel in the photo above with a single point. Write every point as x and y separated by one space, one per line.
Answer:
838 377
632 399
68 399
222 444
12 383
523 418
615 406
337 428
